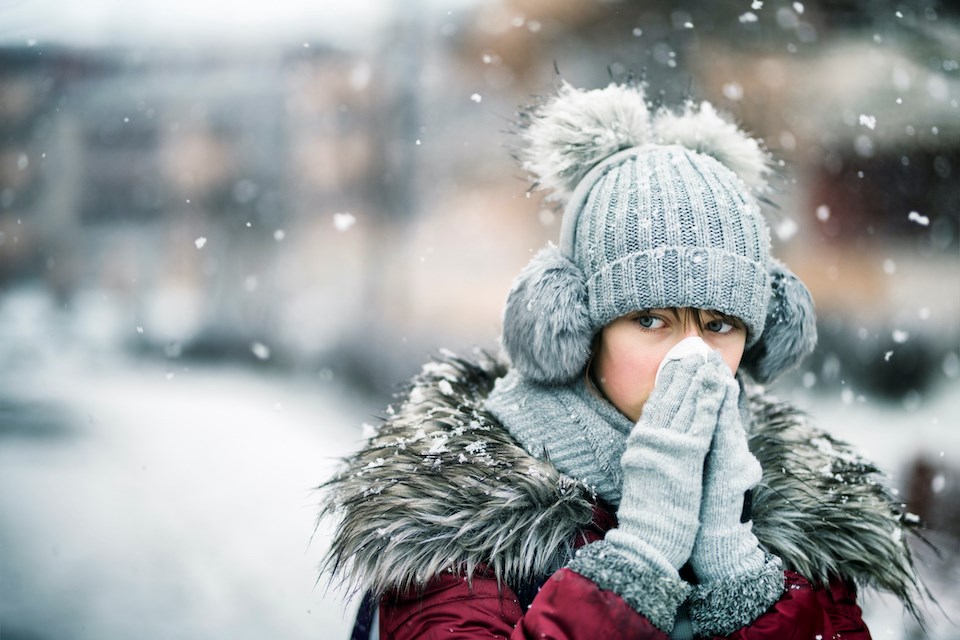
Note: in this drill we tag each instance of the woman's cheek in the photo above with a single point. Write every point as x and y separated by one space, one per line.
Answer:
637 381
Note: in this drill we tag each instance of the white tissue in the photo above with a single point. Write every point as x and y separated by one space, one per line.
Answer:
691 346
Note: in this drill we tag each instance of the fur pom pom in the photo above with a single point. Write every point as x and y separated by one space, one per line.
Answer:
546 329
571 132
790 331
703 130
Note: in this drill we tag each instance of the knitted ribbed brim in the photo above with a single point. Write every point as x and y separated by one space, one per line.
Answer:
681 277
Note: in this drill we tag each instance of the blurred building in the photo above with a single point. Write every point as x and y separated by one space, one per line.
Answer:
200 195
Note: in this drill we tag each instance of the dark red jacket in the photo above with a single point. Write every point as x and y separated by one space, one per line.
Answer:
570 606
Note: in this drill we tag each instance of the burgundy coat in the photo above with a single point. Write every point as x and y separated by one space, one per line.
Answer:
570 606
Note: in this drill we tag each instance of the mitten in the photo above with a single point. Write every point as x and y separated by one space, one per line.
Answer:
662 484
738 580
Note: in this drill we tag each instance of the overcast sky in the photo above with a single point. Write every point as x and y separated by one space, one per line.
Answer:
348 23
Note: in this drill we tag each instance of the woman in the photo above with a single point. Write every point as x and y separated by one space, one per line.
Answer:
622 476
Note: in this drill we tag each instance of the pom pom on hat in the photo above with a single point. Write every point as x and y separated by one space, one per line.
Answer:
703 130
572 131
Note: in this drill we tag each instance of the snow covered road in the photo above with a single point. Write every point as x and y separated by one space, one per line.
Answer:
139 504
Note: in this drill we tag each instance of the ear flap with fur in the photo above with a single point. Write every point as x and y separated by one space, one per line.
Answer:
546 327
790 331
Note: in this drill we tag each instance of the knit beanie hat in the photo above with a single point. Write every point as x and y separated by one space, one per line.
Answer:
660 209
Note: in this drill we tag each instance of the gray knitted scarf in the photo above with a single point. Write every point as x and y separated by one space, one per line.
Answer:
581 434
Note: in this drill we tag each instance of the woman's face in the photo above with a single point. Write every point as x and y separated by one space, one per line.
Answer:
632 347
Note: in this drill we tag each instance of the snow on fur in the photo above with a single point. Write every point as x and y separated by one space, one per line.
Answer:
703 130
575 129
790 331
411 510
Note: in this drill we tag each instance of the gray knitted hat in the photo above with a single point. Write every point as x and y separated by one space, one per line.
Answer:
660 210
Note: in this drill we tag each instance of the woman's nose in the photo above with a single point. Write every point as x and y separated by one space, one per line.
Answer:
692 330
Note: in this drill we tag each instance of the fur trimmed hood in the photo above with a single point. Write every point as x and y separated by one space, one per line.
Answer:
442 487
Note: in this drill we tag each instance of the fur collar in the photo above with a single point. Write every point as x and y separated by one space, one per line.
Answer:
443 487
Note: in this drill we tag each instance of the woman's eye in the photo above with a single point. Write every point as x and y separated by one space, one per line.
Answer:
649 322
719 326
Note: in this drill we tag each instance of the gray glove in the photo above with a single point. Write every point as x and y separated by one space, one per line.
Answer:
662 485
663 465
738 580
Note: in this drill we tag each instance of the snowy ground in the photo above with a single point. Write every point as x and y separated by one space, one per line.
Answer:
136 505
140 500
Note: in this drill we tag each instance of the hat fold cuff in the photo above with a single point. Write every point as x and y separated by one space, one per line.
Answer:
678 276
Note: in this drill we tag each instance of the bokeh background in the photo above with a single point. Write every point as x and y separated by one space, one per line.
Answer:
230 230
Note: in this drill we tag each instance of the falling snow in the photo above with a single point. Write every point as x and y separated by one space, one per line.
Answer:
260 350
938 483
343 220
733 91
786 229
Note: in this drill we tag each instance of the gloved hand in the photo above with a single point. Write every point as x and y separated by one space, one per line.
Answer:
738 580
662 485
663 463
